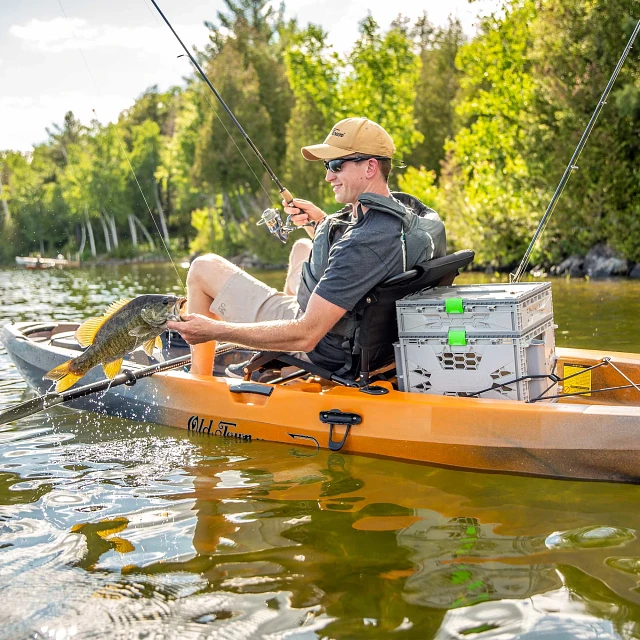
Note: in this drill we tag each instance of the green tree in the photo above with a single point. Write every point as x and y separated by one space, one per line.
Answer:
436 89
576 47
259 35
313 70
381 83
219 167
487 179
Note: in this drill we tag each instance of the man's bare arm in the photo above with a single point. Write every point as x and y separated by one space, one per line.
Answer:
302 334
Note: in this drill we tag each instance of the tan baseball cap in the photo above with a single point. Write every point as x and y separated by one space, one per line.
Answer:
352 135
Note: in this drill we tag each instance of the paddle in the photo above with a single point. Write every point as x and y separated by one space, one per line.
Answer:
52 399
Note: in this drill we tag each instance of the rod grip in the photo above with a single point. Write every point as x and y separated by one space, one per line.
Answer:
286 196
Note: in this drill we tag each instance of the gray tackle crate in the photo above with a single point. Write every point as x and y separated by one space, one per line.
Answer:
495 308
430 363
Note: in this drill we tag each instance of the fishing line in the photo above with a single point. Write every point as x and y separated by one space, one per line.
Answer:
135 177
515 277
126 155
206 97
283 191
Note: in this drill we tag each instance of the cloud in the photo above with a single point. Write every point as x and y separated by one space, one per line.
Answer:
27 114
62 34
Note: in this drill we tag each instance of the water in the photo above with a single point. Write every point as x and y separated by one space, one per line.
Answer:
112 529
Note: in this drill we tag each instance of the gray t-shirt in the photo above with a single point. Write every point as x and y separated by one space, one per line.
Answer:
369 252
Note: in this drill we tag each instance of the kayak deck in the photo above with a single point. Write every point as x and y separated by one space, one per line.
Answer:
586 437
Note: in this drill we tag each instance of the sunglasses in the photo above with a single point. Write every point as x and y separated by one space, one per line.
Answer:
335 166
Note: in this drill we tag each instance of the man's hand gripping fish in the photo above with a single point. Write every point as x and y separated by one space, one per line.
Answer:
125 326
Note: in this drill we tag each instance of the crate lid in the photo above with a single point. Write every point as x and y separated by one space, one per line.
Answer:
495 294
456 332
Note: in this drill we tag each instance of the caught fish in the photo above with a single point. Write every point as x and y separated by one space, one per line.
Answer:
125 326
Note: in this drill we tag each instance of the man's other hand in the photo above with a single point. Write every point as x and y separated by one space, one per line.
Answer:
194 328
303 211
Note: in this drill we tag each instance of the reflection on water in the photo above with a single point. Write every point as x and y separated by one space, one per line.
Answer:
120 530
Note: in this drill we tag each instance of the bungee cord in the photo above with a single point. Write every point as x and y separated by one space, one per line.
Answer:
555 379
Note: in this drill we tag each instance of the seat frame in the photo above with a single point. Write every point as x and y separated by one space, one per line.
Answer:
378 325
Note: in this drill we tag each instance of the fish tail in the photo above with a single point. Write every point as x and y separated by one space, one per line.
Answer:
65 377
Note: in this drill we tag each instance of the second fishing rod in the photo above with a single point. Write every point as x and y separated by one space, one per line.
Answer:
270 217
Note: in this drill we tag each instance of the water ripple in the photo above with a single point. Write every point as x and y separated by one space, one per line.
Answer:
112 529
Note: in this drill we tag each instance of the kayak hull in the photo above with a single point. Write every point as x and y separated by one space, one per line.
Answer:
562 440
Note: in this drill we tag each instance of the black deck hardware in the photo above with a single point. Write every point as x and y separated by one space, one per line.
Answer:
251 387
335 417
131 378
374 390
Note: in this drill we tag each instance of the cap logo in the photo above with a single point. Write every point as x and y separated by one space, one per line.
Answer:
336 132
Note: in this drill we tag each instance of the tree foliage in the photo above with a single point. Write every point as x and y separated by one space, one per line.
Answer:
486 125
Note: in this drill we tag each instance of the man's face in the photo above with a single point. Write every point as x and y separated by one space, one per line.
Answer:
352 180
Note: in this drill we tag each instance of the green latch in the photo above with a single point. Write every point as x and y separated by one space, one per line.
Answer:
457 337
453 305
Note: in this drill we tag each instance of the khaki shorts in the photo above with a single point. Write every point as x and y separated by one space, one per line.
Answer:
244 298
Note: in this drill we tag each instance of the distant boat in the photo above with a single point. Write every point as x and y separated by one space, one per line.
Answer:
30 262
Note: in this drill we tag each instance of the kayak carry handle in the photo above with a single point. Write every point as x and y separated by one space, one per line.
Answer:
335 417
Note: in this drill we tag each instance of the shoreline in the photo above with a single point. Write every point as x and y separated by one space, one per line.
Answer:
600 263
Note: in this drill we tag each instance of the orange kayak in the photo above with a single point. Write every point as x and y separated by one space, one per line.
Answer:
592 436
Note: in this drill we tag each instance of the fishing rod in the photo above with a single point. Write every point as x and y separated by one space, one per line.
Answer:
515 277
126 377
49 400
270 217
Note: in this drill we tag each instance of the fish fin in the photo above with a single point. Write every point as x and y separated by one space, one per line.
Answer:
86 332
116 306
141 331
63 374
112 526
112 369
67 382
121 545
159 343
148 346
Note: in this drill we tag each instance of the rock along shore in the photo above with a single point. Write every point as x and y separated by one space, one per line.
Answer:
601 261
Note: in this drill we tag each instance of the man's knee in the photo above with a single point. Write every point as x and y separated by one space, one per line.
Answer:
209 268
301 249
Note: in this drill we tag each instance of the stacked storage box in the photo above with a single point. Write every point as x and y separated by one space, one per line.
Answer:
461 340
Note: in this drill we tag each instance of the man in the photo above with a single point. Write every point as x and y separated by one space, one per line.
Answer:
375 236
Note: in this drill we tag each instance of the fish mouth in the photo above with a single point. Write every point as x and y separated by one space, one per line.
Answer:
175 313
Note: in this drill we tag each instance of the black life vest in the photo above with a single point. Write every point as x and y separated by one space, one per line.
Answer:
422 238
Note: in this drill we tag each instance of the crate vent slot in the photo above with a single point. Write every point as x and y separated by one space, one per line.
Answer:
467 361
500 373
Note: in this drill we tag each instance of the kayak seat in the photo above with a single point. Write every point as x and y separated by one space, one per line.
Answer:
373 346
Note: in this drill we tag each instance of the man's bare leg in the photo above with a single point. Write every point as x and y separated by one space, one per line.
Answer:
207 275
298 256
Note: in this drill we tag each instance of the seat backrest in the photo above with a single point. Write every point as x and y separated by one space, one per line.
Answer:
379 328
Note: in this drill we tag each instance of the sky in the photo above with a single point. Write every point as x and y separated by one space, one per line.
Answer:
94 57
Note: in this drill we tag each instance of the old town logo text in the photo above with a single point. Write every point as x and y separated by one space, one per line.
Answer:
224 429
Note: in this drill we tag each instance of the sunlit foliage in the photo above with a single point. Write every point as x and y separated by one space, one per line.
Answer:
486 125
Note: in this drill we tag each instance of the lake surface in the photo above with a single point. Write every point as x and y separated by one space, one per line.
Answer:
113 529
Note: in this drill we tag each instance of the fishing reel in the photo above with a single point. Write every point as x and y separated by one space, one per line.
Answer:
273 220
